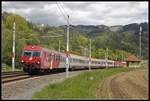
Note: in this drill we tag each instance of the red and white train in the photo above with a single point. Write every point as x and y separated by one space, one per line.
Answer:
35 58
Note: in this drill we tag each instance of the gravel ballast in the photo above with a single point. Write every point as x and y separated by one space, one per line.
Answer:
25 89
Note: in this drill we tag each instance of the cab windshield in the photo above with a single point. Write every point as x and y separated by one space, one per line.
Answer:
31 53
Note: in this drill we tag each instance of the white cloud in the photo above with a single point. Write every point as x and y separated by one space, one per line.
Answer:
97 13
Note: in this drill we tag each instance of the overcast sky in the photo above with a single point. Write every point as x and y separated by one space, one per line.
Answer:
85 13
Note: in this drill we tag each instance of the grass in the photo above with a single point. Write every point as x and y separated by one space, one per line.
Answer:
82 86
7 68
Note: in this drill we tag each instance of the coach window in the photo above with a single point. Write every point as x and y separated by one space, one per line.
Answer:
59 57
69 59
62 58
76 60
56 57
80 61
52 57
44 54
73 60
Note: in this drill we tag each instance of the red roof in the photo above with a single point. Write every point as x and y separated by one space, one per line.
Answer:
132 58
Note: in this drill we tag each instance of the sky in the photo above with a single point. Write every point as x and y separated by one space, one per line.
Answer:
80 13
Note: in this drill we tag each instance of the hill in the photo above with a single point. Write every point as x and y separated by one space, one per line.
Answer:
121 40
122 37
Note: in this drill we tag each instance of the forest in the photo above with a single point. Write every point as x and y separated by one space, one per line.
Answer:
121 40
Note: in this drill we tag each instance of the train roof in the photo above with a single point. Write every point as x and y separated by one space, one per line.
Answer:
37 48
32 48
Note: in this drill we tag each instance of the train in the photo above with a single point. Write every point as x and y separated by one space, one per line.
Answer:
36 58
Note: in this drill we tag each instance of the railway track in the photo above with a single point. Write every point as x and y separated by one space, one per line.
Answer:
15 76
8 77
12 72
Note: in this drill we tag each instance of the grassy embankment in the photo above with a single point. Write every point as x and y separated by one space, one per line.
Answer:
82 86
7 68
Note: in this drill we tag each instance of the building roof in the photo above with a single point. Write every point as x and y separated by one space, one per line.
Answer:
133 58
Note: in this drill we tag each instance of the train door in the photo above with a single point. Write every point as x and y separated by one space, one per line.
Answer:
53 60
43 59
56 61
50 60
46 63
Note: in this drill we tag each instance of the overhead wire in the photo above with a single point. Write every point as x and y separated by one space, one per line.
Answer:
62 5
61 11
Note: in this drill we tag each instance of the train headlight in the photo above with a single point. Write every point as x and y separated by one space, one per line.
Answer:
30 58
22 61
38 62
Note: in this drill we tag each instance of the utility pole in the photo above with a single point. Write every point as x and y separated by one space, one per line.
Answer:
90 56
122 56
106 57
13 49
59 45
85 51
140 42
67 59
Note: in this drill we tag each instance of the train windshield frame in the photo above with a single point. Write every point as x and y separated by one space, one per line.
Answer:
31 53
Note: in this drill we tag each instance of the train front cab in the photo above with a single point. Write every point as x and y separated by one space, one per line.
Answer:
31 58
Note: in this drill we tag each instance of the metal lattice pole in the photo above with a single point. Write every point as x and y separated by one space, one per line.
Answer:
106 57
67 59
59 45
90 56
13 49
140 42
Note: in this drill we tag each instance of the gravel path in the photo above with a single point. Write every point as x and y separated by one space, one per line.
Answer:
129 85
26 88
